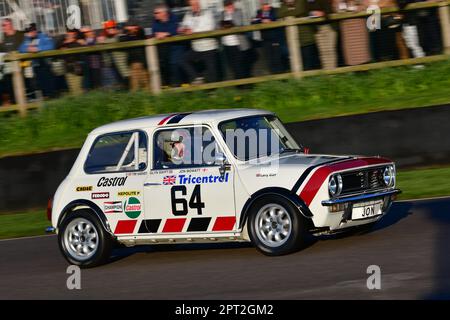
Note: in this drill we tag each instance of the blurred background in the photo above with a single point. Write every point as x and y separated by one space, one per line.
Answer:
335 35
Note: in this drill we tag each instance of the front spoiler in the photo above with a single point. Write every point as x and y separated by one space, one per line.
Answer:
361 197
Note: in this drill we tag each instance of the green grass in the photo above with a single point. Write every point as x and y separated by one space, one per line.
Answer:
31 223
415 184
64 123
424 183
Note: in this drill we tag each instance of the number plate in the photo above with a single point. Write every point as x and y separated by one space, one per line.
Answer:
364 211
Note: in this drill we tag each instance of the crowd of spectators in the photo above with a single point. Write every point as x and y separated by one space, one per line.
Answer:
324 45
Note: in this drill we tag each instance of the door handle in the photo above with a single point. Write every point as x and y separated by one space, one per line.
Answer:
149 184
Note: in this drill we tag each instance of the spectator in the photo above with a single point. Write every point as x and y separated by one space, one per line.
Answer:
139 78
272 38
113 62
170 55
326 36
236 46
297 8
92 65
73 63
34 42
202 50
387 42
429 29
3 96
11 42
354 34
410 33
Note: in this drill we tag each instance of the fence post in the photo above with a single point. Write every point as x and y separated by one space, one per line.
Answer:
151 52
293 43
19 88
445 27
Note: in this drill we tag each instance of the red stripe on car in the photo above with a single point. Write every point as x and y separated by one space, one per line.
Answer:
318 178
174 225
224 224
165 119
125 226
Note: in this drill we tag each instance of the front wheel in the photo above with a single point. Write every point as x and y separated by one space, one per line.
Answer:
276 226
83 241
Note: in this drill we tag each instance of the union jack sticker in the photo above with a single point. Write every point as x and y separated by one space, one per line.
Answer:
169 180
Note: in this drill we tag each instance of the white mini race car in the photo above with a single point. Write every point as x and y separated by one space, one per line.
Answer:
208 176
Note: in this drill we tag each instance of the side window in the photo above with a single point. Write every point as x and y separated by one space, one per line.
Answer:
118 152
184 148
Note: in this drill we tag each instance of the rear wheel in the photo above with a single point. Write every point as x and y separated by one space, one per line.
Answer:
276 227
83 240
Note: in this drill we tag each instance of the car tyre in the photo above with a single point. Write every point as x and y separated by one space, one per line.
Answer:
83 240
276 227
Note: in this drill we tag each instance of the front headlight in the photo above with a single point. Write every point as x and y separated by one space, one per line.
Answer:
335 185
389 176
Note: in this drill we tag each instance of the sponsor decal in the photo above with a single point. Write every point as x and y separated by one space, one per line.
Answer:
112 207
111 182
190 179
265 175
85 188
161 172
128 193
193 170
136 173
100 195
169 180
132 207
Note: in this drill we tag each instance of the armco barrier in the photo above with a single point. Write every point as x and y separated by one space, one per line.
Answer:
412 137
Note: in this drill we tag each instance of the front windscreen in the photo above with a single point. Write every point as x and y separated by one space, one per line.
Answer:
255 137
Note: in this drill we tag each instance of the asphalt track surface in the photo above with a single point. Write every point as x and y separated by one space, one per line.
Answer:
411 245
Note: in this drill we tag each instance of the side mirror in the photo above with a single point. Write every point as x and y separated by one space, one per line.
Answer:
224 165
220 158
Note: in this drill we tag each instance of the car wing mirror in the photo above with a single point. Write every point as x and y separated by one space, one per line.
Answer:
222 161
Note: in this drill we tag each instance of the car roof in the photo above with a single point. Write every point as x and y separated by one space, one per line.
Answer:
212 116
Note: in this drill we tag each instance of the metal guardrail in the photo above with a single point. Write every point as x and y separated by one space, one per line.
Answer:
290 24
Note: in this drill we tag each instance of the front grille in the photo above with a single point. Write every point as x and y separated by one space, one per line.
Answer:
362 180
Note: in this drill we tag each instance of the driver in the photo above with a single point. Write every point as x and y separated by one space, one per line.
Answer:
178 149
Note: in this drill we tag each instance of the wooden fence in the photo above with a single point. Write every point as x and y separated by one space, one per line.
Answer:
293 43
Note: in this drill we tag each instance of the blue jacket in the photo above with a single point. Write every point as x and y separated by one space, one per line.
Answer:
170 26
44 43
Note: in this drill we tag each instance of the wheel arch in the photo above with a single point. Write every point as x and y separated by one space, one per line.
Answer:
84 204
280 192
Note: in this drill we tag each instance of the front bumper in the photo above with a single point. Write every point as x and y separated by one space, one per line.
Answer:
361 197
339 211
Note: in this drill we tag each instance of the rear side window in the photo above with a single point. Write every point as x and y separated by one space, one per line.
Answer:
118 152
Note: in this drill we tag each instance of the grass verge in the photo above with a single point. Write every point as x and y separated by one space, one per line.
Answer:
64 123
415 184
424 183
17 225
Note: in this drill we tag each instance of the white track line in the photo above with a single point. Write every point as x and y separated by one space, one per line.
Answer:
33 237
